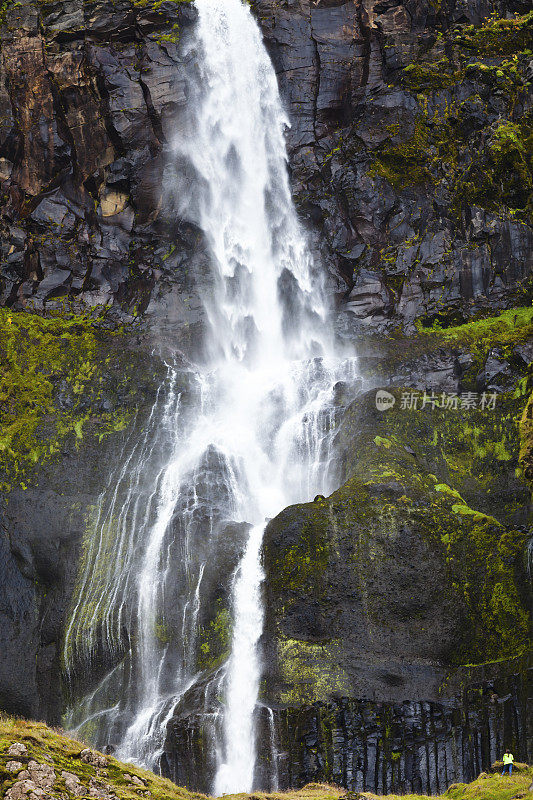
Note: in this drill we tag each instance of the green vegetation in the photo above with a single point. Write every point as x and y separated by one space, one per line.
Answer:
50 382
449 478
155 5
430 76
409 162
311 672
476 337
215 639
53 748
498 36
436 150
526 442
494 786
501 175
505 330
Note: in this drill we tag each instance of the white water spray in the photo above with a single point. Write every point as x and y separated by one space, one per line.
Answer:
261 432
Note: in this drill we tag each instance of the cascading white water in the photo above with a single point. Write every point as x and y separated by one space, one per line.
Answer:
268 317
260 428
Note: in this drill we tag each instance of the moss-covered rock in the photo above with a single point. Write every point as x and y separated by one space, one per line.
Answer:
58 382
417 558
215 639
72 388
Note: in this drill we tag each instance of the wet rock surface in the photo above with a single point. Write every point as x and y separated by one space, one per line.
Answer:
391 109
415 195
44 517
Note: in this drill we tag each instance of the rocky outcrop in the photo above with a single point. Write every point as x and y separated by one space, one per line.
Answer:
400 157
377 595
415 191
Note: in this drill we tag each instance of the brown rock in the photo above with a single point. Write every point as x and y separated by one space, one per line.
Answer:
73 784
95 759
20 789
43 775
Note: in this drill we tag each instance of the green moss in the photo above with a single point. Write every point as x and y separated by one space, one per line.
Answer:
509 328
443 487
498 36
431 76
526 442
467 516
311 672
503 172
162 632
302 566
381 442
215 639
51 376
91 602
406 163
436 150
173 35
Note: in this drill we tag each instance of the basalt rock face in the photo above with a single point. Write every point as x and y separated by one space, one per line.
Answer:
408 141
405 747
415 192
378 595
90 96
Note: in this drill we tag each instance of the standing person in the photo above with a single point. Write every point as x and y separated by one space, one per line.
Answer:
508 759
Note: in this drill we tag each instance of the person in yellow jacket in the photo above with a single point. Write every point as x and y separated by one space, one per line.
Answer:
508 759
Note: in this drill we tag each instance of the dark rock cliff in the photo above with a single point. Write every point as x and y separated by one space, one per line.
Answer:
69 405
409 152
410 157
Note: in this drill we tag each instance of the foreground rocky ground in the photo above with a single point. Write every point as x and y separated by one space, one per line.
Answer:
39 763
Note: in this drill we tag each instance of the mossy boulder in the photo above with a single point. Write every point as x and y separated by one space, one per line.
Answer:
414 566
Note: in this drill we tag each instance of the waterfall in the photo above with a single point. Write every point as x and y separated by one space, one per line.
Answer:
249 435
